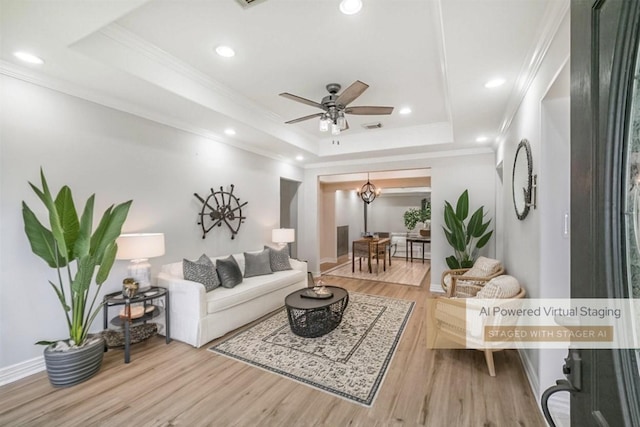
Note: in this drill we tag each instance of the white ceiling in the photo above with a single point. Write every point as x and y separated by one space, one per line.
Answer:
155 59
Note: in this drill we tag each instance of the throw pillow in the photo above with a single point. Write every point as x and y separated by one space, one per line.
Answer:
201 271
229 272
257 264
279 258
483 267
500 287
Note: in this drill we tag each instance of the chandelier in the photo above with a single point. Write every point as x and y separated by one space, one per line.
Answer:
368 192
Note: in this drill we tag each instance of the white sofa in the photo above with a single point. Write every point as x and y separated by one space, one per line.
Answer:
198 317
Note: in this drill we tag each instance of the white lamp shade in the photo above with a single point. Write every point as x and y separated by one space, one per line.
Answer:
283 235
140 245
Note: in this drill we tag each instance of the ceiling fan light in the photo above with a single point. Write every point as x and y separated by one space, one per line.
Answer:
350 7
324 124
342 122
335 129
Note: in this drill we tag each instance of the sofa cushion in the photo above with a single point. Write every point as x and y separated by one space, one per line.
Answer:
279 258
503 286
257 264
229 272
201 271
251 288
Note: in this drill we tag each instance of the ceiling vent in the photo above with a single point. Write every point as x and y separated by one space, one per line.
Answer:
247 3
370 126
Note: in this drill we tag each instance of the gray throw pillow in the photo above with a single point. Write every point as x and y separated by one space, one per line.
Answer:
257 264
279 258
229 272
201 271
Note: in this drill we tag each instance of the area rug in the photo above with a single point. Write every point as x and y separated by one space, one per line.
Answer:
400 271
349 362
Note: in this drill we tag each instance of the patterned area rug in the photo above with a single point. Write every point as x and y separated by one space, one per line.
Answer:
349 362
400 271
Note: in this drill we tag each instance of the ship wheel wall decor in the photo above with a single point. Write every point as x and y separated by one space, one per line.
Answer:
218 208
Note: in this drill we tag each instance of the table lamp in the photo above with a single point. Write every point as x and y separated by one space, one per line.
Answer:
283 236
138 248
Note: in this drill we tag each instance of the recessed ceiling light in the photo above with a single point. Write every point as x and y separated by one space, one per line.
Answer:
299 158
230 132
482 139
494 83
405 110
28 57
350 7
225 51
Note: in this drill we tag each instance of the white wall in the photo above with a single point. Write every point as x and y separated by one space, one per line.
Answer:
451 175
386 213
119 157
534 250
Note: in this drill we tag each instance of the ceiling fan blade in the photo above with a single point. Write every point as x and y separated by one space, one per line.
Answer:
301 99
301 119
369 111
351 93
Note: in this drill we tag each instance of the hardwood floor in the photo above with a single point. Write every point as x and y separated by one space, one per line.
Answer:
177 385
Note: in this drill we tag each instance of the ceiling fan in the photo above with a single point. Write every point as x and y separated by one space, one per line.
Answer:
335 106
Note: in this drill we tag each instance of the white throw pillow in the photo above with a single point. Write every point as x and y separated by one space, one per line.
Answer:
483 267
503 286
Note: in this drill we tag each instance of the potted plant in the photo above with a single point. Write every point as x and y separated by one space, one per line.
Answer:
411 218
78 255
465 238
414 215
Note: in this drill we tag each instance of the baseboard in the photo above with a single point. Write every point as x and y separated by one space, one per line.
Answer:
329 260
20 370
436 288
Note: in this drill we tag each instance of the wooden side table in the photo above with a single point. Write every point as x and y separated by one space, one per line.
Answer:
116 299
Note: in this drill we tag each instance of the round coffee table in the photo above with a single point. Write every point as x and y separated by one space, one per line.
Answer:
311 317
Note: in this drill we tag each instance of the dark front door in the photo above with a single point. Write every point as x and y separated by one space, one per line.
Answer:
605 175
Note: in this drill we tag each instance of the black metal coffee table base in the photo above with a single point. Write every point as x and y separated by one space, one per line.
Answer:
311 318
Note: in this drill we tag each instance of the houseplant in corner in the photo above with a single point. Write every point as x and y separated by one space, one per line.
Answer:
465 238
78 255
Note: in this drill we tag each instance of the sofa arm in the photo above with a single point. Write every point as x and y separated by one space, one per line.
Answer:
186 296
297 264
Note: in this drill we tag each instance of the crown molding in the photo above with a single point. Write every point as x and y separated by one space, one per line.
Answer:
552 19
71 89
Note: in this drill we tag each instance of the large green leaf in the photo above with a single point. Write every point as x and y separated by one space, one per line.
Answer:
68 218
109 229
450 237
106 263
83 242
84 275
462 207
483 228
54 219
449 215
484 239
460 238
475 223
40 238
452 262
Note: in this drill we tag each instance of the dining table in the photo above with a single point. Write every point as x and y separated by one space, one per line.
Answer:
369 247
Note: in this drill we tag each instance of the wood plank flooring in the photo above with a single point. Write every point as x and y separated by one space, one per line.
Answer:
177 385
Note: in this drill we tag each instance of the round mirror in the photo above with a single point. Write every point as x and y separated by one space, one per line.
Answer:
521 183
